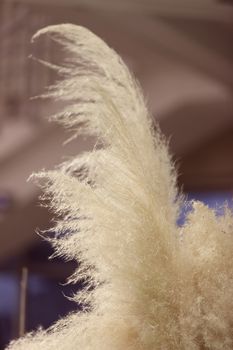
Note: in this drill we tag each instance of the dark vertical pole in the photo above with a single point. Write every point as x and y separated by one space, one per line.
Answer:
22 301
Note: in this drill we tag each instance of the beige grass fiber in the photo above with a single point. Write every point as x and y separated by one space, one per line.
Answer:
150 284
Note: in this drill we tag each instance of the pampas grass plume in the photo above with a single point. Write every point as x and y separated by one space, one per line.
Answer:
149 284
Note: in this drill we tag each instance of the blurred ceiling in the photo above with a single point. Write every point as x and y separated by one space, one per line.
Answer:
180 51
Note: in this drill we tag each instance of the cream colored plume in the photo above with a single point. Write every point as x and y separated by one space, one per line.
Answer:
150 285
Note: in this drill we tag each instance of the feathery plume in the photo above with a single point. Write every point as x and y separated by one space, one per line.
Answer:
149 284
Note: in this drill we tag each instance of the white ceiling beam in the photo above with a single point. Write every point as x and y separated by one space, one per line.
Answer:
43 152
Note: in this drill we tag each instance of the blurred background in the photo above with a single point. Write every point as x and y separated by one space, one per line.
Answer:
181 51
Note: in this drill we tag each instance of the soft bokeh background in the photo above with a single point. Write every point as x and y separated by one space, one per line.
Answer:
181 51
